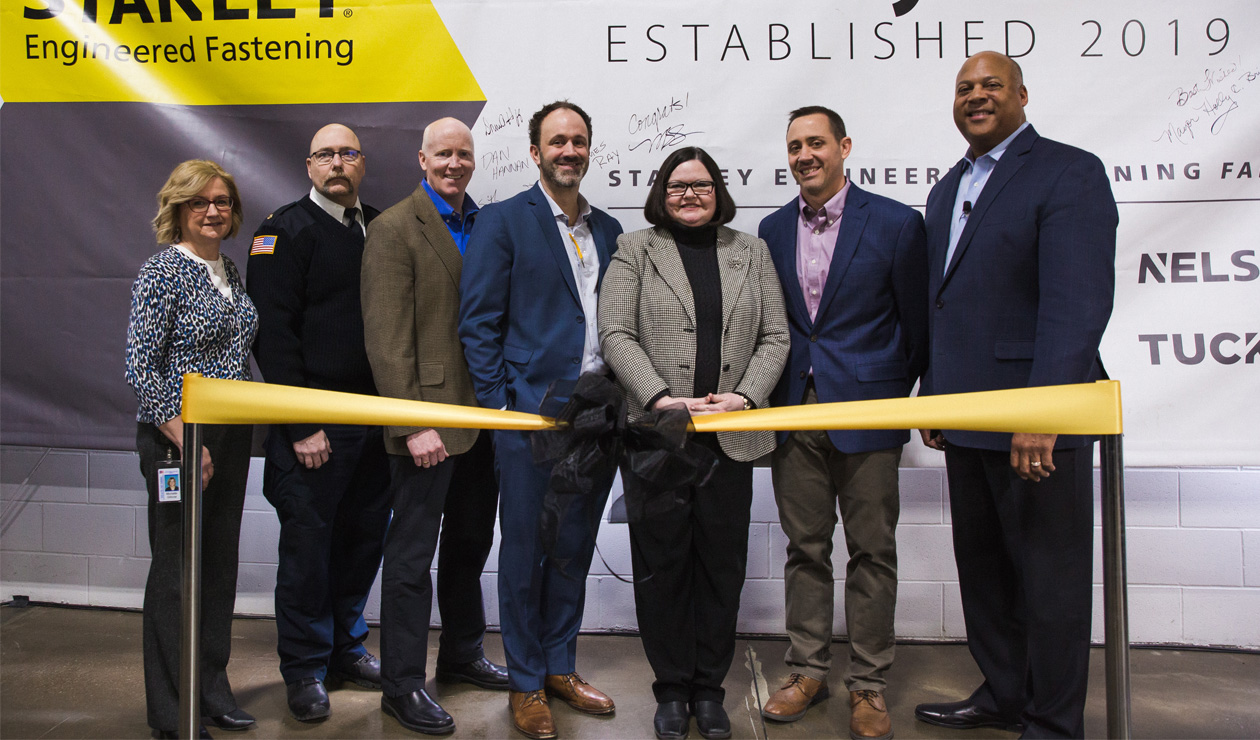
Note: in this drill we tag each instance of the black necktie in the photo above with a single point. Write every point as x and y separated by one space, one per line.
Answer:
351 218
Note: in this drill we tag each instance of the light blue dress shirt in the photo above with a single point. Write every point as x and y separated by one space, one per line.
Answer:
975 175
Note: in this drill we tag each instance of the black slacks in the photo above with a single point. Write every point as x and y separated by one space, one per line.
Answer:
223 500
689 566
332 531
1025 569
419 495
472 503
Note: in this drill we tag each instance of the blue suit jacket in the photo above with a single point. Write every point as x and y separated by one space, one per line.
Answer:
869 339
520 316
1029 291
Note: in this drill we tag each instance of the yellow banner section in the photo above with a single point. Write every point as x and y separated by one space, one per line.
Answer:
229 52
1087 408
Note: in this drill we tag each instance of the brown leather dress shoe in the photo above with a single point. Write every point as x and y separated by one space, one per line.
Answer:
869 719
530 714
580 695
795 697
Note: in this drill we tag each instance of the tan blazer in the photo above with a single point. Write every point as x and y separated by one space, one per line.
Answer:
410 287
647 325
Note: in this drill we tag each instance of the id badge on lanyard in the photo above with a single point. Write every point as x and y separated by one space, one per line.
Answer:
168 478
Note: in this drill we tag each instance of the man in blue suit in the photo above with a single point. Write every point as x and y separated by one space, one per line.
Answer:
854 270
529 291
1022 241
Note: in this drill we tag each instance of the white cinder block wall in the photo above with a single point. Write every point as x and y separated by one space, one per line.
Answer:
73 530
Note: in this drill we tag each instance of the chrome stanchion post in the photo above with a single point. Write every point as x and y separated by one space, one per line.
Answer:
190 615
1115 590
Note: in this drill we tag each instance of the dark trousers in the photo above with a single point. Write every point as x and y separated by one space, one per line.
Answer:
419 494
689 567
332 530
1025 569
472 503
223 500
540 606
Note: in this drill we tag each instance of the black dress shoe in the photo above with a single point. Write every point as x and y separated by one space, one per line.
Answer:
237 719
711 719
202 733
417 711
672 720
480 672
963 715
364 670
308 701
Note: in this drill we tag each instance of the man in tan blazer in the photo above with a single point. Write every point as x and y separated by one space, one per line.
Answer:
411 272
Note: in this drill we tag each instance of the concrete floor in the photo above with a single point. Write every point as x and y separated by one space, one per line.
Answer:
71 673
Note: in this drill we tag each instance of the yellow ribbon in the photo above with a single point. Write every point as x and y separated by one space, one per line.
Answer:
1085 408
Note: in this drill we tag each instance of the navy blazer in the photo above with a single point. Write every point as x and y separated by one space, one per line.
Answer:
869 339
1030 289
520 315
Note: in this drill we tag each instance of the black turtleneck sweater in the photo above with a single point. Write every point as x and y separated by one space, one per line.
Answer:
698 248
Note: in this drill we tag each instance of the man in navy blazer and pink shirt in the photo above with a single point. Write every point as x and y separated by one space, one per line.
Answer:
1022 241
854 271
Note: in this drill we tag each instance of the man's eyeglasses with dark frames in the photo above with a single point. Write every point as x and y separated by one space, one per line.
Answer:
324 157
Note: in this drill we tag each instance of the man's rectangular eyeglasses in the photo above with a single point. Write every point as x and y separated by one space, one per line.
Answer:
324 157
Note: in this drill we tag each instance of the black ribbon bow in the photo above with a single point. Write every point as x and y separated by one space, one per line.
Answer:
592 439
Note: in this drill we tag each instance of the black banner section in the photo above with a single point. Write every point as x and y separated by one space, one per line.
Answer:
78 193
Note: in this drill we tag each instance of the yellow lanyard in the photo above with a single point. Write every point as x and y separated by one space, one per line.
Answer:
581 259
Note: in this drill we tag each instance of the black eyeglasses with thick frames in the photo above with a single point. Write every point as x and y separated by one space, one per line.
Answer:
222 204
677 188
324 157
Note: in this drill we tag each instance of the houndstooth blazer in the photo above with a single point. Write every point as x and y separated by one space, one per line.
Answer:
647 325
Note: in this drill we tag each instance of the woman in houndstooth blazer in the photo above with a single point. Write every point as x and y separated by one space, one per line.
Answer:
691 312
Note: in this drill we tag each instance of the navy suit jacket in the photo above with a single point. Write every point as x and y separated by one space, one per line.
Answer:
869 339
520 315
1030 288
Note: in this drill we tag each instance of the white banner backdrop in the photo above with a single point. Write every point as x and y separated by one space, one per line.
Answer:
1166 93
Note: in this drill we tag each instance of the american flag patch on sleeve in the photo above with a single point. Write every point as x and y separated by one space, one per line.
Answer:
263 245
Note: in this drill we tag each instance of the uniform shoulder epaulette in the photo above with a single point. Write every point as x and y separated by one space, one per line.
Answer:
282 210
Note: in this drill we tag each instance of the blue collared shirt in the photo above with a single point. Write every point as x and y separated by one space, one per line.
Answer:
459 224
975 175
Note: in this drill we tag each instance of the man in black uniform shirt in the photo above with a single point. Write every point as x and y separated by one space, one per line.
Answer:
329 483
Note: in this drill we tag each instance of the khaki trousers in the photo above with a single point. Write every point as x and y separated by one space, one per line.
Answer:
812 480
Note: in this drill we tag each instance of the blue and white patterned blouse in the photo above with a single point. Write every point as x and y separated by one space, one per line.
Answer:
181 323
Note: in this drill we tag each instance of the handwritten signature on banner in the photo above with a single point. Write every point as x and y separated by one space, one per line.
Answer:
602 155
509 118
501 163
651 124
1214 97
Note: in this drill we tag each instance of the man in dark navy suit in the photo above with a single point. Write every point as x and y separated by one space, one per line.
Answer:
854 271
528 295
1022 241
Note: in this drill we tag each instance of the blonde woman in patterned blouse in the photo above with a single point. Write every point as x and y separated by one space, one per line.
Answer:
190 314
